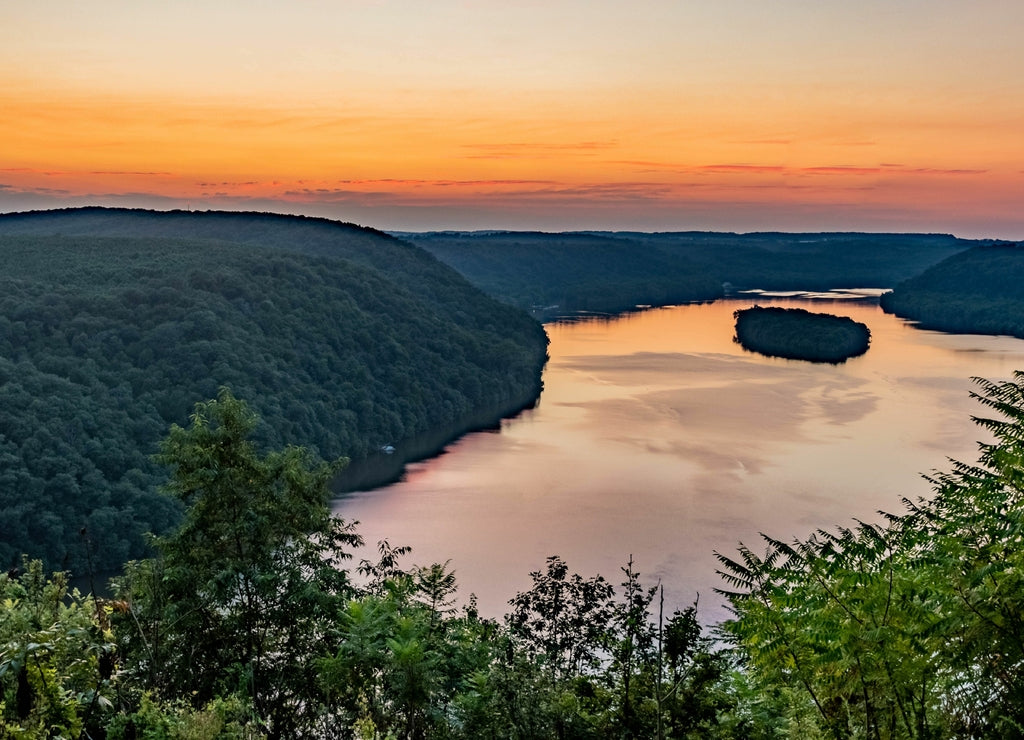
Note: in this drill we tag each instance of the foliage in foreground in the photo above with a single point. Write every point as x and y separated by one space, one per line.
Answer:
247 625
909 629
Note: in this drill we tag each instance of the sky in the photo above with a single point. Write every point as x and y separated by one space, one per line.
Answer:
652 115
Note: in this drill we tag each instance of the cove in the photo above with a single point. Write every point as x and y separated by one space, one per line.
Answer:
659 437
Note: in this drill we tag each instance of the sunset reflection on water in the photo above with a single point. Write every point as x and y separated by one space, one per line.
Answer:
658 436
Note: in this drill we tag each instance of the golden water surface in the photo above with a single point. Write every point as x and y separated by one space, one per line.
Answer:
657 436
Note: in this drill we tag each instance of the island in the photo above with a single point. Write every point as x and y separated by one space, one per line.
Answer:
797 334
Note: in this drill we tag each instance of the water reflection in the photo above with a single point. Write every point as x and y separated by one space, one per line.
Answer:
658 436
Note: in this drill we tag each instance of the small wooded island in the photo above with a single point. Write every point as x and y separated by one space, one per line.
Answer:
797 334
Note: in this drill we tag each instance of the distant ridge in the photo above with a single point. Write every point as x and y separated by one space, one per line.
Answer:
553 273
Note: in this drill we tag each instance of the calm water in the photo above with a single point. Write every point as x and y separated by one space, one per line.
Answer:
657 436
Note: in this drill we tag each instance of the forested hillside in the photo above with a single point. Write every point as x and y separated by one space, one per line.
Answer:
114 323
605 271
980 291
578 272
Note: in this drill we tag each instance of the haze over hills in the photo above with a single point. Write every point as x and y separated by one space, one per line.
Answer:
615 271
113 323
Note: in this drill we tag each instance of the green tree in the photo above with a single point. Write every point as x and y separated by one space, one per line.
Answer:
564 619
250 585
910 629
56 658
971 544
693 694
633 651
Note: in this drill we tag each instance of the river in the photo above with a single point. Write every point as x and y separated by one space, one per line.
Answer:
657 436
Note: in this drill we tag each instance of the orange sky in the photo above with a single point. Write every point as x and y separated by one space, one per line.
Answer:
566 114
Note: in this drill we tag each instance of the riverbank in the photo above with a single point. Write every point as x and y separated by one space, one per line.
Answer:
387 465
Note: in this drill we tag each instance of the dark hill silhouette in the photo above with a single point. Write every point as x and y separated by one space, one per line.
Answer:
980 291
615 271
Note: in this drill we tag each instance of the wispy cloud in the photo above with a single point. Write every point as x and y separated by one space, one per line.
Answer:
229 184
933 171
598 192
132 173
771 142
743 168
842 169
753 168
886 169
51 192
516 150
445 183
72 173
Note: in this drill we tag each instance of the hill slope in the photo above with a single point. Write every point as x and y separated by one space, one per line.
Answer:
980 291
614 271
114 323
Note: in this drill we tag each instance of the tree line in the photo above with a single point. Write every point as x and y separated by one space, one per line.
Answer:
553 273
251 621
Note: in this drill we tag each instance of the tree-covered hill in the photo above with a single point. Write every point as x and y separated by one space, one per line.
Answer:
114 323
613 271
797 334
593 272
980 291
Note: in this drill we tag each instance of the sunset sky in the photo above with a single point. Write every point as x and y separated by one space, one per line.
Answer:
739 115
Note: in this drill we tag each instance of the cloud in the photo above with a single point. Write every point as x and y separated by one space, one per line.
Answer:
755 168
604 191
650 164
70 173
778 142
932 171
842 169
49 192
245 184
886 169
336 195
515 150
426 192
130 173
738 168
446 183
34 171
